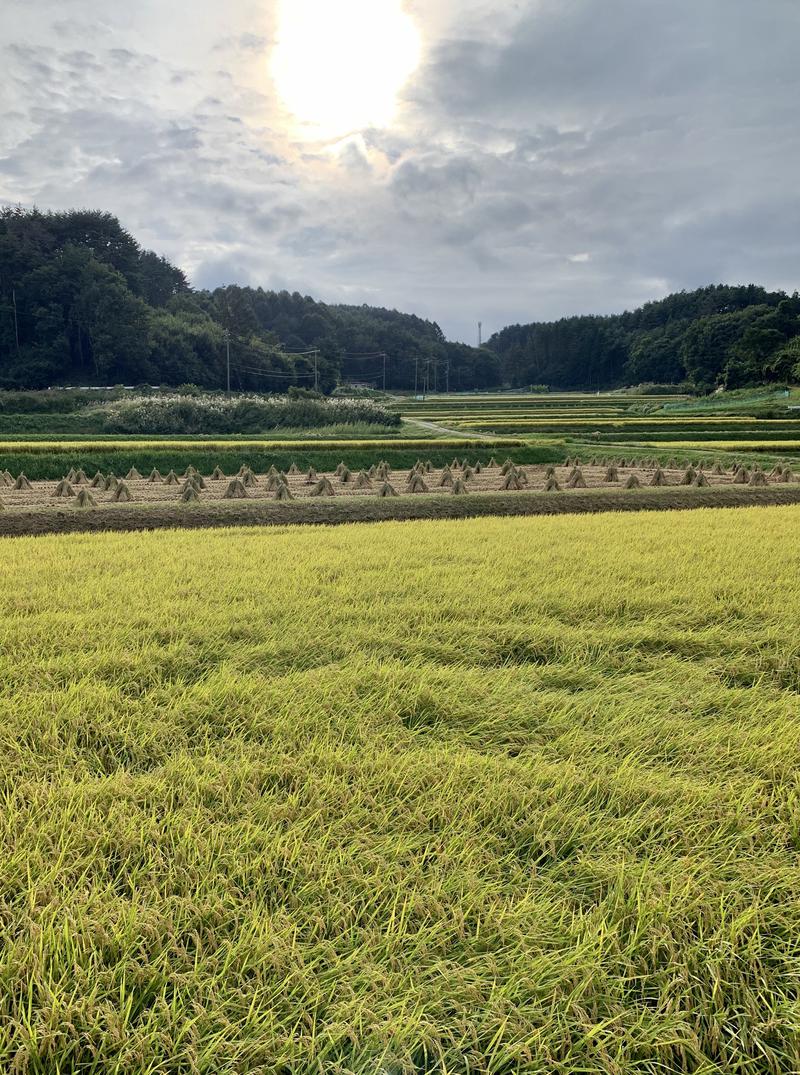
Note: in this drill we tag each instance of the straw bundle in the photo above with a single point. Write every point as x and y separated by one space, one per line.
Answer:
323 488
237 490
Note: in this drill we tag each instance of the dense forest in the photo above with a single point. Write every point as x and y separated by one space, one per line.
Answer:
720 335
81 303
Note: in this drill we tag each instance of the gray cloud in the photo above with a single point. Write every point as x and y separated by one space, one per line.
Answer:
658 141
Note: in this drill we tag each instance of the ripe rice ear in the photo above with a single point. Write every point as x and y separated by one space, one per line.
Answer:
237 490
633 482
387 490
64 488
122 494
84 499
154 477
133 475
323 488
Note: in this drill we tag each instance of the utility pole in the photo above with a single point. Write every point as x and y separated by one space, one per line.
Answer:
16 323
228 353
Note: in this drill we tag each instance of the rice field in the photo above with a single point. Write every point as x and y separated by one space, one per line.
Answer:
77 490
490 796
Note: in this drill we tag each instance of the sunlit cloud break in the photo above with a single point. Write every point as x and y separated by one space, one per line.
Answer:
338 68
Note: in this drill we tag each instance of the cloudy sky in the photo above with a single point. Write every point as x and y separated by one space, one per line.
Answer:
508 160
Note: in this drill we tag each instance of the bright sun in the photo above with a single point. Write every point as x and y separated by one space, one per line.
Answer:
339 64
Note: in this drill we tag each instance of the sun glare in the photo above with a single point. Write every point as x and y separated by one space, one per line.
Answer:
339 64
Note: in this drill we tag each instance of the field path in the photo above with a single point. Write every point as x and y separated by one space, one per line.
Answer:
434 427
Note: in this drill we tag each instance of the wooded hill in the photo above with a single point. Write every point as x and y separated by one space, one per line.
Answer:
82 303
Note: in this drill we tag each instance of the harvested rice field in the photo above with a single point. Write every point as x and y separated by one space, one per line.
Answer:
498 795
460 477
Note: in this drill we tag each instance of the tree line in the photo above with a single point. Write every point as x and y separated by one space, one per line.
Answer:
81 303
734 336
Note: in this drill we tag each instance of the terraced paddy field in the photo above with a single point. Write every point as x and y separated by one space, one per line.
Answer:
624 420
487 796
